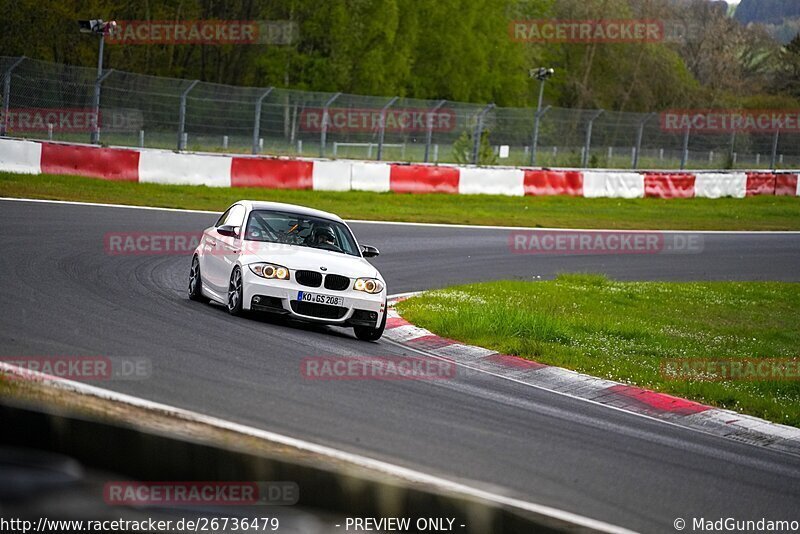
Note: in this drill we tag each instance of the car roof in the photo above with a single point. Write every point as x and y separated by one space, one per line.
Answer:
292 208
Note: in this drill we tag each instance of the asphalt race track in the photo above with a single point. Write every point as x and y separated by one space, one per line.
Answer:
62 294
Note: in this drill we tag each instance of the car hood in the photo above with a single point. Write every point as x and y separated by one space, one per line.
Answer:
296 257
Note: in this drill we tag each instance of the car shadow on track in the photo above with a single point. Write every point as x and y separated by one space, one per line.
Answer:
281 321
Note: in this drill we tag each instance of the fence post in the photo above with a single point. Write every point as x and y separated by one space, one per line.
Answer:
685 150
96 107
535 141
7 94
773 161
323 136
257 122
478 132
588 144
639 133
182 115
383 126
429 133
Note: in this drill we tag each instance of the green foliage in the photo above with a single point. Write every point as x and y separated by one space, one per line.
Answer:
451 49
465 144
462 148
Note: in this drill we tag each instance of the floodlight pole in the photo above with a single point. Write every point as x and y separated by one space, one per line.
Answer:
96 106
541 74
535 141
95 137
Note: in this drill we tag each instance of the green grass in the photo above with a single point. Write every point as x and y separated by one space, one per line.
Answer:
755 213
624 330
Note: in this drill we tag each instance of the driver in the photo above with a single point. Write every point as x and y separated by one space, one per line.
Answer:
323 235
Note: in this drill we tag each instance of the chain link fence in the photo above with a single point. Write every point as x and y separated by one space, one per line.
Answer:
43 100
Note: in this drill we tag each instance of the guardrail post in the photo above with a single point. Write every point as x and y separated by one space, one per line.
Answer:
182 116
383 126
96 106
588 144
535 141
429 132
7 94
323 136
257 122
774 159
639 134
476 144
685 149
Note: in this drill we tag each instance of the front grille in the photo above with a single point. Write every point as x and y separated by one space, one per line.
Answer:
336 282
308 278
321 311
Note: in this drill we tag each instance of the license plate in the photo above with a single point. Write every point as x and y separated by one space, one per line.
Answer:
316 298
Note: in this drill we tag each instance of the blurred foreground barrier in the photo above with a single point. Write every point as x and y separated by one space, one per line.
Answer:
140 447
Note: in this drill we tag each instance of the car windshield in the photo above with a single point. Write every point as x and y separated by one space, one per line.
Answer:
301 230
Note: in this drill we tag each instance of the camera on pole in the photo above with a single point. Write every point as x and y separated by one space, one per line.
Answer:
97 26
541 73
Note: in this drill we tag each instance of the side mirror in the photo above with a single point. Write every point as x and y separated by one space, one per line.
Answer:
369 252
228 230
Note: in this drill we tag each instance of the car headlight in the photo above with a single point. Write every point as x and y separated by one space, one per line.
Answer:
270 270
368 285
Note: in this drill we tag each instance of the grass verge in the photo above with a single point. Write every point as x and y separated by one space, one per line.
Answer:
755 213
626 331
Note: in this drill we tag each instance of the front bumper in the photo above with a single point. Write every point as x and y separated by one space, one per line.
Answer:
280 297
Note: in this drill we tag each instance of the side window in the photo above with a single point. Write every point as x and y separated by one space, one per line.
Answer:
233 217
222 218
236 216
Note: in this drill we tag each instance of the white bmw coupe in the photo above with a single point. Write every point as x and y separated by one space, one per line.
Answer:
290 260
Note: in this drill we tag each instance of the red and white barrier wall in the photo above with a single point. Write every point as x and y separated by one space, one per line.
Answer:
166 167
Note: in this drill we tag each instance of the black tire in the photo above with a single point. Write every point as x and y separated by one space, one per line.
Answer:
235 293
365 333
196 282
